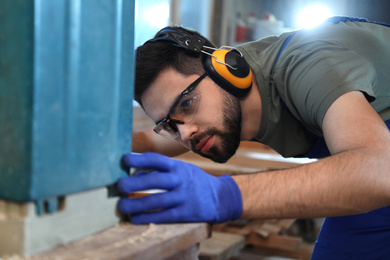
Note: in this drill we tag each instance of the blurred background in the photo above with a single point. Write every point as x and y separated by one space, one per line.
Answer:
230 22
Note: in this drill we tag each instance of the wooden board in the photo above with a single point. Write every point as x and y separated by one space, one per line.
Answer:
133 242
287 243
221 246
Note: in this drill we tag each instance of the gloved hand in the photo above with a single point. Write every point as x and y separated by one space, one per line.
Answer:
192 194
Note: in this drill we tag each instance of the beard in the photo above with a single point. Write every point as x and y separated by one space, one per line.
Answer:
230 135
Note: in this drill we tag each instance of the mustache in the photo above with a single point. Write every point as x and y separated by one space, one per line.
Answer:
199 137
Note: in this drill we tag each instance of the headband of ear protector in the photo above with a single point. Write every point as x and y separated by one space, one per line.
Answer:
226 67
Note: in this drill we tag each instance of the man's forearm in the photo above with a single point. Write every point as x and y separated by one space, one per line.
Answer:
348 183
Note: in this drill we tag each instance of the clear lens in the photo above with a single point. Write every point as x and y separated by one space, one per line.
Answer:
187 106
165 130
182 111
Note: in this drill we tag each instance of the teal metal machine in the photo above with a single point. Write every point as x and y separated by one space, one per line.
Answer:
66 90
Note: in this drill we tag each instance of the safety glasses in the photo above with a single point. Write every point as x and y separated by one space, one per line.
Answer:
182 111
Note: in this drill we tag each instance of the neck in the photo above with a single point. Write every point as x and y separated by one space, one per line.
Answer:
251 113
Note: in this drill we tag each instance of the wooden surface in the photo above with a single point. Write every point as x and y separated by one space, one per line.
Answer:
221 246
275 242
133 242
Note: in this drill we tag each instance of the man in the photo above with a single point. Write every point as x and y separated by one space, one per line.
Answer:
322 93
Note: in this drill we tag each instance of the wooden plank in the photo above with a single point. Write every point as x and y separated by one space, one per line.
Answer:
133 242
189 253
279 242
266 229
263 227
286 223
221 246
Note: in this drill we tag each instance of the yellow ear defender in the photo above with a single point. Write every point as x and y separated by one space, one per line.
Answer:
229 70
226 67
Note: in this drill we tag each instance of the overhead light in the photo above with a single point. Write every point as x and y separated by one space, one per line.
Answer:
313 15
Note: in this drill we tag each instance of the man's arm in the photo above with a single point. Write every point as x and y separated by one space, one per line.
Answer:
355 179
149 141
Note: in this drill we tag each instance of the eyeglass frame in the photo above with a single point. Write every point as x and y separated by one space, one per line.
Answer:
172 121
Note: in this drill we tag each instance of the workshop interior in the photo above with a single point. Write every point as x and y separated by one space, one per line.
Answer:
67 115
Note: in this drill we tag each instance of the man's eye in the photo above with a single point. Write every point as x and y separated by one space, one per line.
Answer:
186 104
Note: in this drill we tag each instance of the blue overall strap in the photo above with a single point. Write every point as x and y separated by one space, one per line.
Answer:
284 46
273 65
286 42
358 237
338 19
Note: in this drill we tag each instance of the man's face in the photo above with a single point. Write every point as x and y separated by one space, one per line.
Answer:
214 131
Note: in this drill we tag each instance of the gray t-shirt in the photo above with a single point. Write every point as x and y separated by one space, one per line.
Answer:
315 68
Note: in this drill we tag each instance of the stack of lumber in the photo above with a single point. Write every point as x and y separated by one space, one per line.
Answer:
270 234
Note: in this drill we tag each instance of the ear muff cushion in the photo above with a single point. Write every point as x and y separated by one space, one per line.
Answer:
236 81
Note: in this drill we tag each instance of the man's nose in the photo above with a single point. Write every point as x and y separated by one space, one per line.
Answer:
186 131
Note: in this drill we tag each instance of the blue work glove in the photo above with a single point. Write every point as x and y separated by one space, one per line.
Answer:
192 194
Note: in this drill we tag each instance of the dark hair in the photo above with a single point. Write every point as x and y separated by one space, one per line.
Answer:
154 57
